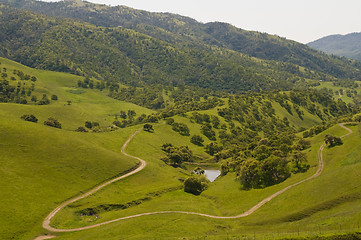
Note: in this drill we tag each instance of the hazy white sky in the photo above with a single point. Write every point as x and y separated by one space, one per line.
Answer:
300 20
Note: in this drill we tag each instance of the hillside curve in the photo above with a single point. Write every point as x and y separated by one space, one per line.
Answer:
46 222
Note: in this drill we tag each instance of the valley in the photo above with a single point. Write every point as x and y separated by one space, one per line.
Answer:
112 120
156 188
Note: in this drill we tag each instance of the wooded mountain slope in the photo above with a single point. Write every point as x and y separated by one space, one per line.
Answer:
342 45
122 55
183 31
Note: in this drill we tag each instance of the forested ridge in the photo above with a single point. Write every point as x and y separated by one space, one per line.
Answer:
185 31
127 56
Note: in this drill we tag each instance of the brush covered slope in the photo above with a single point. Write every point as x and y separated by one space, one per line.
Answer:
180 30
348 45
130 56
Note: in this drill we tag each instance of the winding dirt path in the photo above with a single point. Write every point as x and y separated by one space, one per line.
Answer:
46 222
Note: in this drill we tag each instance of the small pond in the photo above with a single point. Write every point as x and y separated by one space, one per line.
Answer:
212 174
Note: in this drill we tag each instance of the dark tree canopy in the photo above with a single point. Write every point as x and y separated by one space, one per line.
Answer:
195 184
52 122
332 140
30 118
148 127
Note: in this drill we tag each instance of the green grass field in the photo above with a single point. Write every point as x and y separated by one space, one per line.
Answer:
41 167
328 204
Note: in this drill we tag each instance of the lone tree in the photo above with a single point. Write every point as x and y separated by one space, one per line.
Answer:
30 118
54 97
196 184
332 140
88 124
148 127
52 122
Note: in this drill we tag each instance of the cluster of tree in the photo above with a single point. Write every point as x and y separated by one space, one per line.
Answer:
16 94
196 184
87 83
213 148
175 156
130 114
91 125
148 127
197 140
206 119
345 83
23 76
30 118
21 91
181 128
316 129
81 129
264 162
256 174
332 140
128 119
207 131
52 122
254 112
349 93
150 97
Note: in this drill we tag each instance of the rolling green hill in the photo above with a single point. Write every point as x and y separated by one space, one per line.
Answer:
341 45
327 205
42 166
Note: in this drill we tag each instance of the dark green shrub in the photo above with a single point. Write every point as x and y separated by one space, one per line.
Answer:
30 118
196 184
52 122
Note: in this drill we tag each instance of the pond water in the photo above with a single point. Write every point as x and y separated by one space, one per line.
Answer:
212 174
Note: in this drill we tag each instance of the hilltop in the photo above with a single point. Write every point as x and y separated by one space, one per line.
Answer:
348 45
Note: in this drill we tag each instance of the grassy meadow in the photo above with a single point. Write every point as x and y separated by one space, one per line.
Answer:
325 205
40 167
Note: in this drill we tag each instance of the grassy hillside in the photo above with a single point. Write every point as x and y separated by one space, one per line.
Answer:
326 205
42 166
86 104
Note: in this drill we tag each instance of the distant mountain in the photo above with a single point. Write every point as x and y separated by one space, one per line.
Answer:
341 45
185 31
